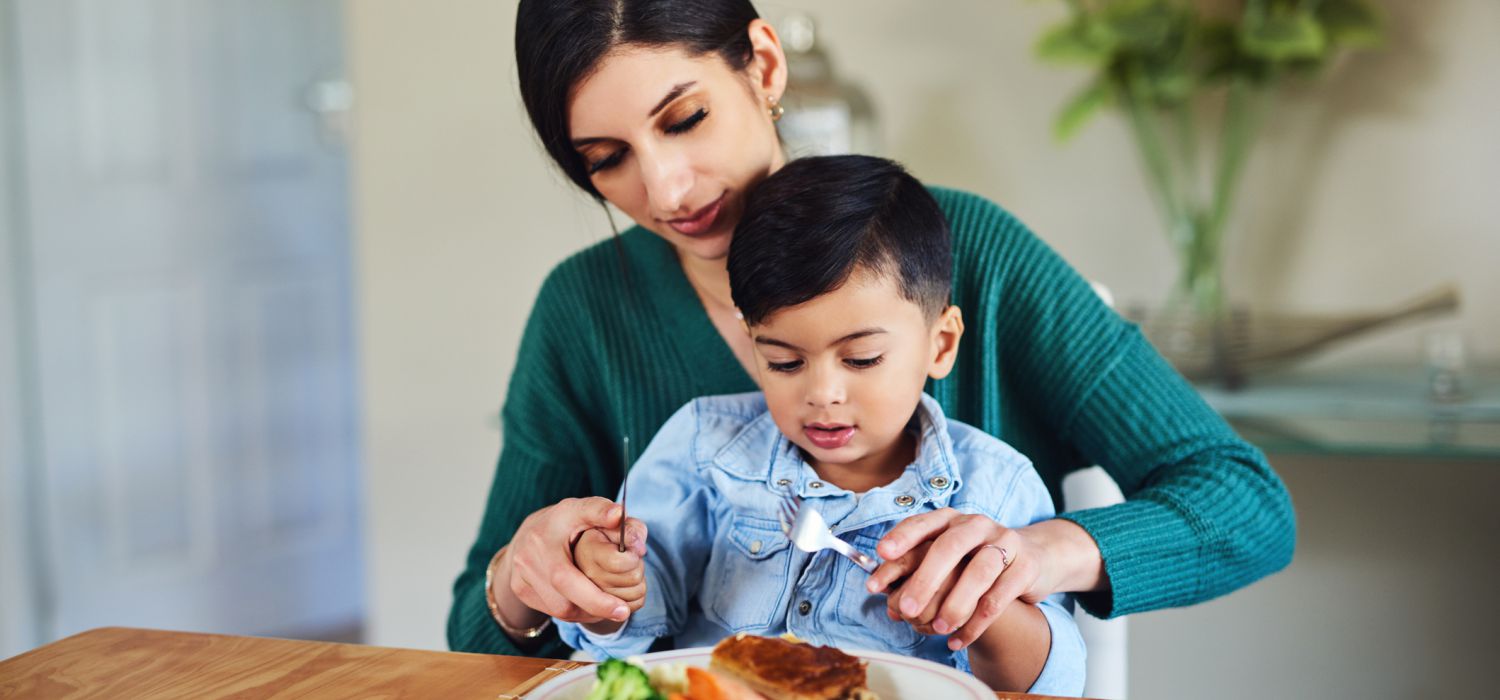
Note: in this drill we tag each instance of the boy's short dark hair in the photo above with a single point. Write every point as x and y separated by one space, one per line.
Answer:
809 226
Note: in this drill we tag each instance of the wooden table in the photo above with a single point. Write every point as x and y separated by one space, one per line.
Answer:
118 662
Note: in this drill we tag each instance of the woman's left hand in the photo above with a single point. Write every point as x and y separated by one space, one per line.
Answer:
958 581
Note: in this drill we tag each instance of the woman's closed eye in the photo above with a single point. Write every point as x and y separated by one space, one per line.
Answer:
606 162
687 124
599 165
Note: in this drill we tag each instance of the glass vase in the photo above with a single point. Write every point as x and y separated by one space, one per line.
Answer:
1194 329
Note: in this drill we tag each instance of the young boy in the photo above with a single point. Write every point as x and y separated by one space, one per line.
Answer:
841 268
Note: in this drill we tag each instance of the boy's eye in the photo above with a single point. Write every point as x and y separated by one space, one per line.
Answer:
792 366
687 124
606 162
864 363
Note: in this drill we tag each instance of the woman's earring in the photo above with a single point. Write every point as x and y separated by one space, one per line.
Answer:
776 109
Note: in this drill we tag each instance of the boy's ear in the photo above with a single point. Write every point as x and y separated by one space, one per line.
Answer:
946 333
767 68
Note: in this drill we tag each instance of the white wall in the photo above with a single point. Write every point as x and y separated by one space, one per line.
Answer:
1364 192
1391 595
457 218
17 601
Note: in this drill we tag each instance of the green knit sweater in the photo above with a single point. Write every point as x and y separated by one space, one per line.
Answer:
618 341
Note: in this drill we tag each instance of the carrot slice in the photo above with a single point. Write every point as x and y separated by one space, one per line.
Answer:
703 685
706 685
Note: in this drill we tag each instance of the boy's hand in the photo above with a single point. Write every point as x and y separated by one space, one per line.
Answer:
620 574
921 621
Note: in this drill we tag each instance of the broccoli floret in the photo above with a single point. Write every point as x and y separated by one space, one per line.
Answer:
621 680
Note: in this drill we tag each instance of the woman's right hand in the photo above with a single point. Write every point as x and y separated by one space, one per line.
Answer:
542 574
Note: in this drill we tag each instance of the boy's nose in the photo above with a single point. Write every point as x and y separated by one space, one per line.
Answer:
824 390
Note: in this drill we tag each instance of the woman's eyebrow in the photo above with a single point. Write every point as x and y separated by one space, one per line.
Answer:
672 94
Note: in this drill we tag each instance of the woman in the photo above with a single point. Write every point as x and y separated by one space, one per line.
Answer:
666 109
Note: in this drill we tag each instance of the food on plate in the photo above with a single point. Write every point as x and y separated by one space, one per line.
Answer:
742 667
667 677
788 670
617 679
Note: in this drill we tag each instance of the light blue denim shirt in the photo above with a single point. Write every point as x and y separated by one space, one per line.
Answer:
717 563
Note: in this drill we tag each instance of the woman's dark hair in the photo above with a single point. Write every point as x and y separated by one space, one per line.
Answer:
559 43
809 226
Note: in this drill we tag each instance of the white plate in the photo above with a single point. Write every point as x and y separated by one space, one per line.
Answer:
892 677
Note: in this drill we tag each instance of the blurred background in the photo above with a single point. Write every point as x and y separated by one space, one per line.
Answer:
266 265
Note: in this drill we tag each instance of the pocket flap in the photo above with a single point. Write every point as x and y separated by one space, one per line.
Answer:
757 538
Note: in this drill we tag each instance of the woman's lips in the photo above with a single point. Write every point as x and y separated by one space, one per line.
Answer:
829 437
700 222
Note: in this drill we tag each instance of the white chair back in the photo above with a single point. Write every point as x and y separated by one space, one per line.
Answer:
1104 639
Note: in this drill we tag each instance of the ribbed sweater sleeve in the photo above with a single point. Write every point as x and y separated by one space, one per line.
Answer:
1204 513
546 455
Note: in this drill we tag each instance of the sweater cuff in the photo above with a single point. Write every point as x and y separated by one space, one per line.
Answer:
1150 557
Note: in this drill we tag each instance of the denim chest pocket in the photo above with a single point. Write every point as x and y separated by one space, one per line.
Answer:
862 613
748 575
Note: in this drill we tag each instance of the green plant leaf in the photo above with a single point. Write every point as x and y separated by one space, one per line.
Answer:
1141 25
1351 23
1282 36
1080 109
1169 84
1224 61
1076 41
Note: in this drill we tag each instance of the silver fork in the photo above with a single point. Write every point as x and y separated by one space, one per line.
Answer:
807 530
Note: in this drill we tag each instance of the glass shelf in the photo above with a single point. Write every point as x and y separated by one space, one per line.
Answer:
1382 411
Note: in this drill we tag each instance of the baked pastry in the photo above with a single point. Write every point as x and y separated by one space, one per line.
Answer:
786 670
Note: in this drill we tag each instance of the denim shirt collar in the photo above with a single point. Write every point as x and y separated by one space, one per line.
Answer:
759 452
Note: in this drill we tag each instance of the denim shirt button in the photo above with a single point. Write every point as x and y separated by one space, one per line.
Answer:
938 482
905 501
755 547
804 607
783 482
815 485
